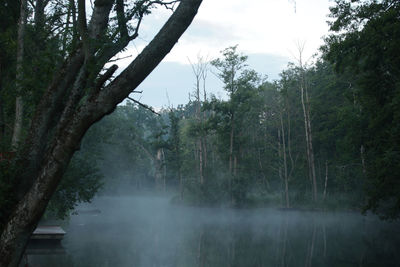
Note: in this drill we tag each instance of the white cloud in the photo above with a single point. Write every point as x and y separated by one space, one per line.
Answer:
258 26
266 29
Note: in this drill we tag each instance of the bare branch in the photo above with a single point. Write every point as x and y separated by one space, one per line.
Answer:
143 105
119 58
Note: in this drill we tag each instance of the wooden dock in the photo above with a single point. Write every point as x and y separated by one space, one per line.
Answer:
48 232
46 240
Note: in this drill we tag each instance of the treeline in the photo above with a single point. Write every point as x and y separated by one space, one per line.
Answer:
324 134
251 148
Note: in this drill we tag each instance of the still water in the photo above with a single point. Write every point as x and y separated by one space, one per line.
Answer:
150 231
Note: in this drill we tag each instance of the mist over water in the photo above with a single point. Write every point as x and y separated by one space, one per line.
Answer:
150 231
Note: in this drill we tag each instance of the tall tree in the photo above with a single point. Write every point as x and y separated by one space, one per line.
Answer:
200 73
77 97
230 67
305 103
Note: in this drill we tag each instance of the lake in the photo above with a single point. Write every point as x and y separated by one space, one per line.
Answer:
149 231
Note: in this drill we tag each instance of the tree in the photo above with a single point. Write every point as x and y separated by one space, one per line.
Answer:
200 70
364 44
77 97
305 103
229 70
232 117
175 147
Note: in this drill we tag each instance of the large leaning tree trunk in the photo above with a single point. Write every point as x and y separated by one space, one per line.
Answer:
77 98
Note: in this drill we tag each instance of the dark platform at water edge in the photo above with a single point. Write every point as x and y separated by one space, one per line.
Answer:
48 232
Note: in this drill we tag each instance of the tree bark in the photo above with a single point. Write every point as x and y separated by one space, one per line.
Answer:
285 164
19 105
279 155
307 127
265 180
231 158
201 161
326 179
311 150
362 154
62 146
164 166
231 138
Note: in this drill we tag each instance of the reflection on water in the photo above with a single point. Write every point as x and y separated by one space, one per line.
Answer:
143 231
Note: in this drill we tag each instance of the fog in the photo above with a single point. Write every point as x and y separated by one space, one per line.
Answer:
148 230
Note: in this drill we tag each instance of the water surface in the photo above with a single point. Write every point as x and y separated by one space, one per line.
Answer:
148 231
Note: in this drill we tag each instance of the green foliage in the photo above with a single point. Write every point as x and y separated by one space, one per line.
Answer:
229 67
79 184
354 95
367 48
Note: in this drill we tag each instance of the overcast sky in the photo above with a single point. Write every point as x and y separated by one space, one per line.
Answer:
265 30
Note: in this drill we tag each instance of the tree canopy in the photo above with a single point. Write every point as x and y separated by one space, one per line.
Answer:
63 86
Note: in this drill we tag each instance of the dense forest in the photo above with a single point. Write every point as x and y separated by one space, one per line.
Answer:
295 142
324 136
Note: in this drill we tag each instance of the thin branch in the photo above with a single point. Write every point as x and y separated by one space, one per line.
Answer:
119 58
144 105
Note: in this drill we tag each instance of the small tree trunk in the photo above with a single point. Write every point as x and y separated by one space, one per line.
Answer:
19 105
205 151
289 134
200 73
280 156
305 102
235 163
362 153
326 179
159 181
231 159
231 145
201 161
307 127
311 150
164 170
285 165
265 180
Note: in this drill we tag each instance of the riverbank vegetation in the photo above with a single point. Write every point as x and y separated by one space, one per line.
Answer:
324 135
